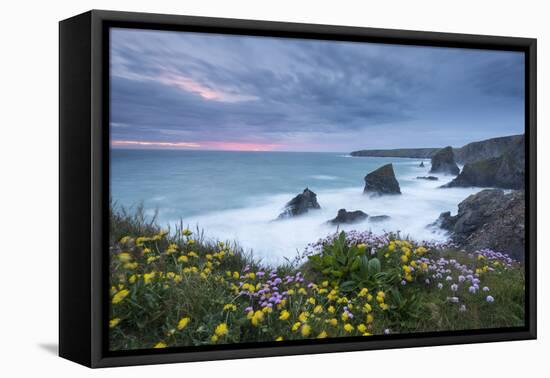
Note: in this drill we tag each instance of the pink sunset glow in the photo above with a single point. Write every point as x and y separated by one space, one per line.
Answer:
206 145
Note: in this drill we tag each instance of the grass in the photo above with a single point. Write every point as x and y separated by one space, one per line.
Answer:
180 289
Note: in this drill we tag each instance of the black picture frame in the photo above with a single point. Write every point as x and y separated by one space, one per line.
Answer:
84 185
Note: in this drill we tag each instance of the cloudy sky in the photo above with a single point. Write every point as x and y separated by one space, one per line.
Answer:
208 91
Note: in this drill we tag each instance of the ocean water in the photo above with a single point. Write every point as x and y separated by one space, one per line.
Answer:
237 195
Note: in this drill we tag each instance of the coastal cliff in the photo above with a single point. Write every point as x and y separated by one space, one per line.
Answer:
485 149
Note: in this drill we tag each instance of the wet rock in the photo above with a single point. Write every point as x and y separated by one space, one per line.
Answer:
348 217
382 181
300 204
443 161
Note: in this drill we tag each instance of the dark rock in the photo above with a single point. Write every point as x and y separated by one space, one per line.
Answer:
300 204
431 178
421 164
489 219
489 148
382 181
506 172
349 217
417 153
379 218
443 161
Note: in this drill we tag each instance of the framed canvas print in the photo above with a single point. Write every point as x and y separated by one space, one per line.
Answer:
233 188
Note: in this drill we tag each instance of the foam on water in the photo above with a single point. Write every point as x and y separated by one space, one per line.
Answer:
254 227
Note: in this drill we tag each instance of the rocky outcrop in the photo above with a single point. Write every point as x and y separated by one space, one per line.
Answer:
443 161
379 218
421 164
429 178
485 149
382 181
300 204
348 217
489 148
489 219
417 153
506 172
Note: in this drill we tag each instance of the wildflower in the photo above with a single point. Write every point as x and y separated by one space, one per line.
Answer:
183 259
324 284
322 335
490 299
440 285
290 291
221 330
318 309
345 315
284 315
472 289
214 339
229 307
130 265
183 323
363 293
370 318
362 328
132 279
462 308
160 344
302 291
303 316
280 338
361 247
118 297
257 318
186 232
114 322
305 330
311 300
387 331
331 309
124 240
333 322
348 327
454 287
124 257
485 288
367 308
151 259
404 259
296 326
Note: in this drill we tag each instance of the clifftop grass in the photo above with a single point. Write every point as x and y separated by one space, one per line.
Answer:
179 289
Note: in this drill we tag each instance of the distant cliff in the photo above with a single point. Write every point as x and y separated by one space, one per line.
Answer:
486 149
420 153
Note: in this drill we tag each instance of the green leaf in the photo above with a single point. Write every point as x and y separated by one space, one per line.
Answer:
374 266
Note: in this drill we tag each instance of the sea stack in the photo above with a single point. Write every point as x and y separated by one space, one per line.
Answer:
421 164
382 181
300 204
443 161
348 217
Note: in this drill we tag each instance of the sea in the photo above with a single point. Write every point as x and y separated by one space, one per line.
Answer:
236 196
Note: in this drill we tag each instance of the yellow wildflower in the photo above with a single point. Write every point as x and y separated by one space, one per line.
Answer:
160 344
257 318
131 265
280 338
290 291
318 309
183 259
303 316
296 326
324 283
363 293
214 339
370 318
348 327
114 322
229 307
331 309
333 322
361 328
284 315
221 330
311 300
118 297
186 232
183 323
322 335
124 257
345 316
306 330
404 258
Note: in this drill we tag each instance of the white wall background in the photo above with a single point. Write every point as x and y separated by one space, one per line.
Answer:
29 185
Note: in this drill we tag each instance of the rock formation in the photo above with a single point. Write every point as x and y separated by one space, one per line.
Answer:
443 161
421 164
489 219
382 181
300 204
430 178
349 217
379 218
506 172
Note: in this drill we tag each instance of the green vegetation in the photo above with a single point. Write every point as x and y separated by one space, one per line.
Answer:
179 289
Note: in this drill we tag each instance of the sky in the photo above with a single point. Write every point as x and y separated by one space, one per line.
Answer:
198 91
